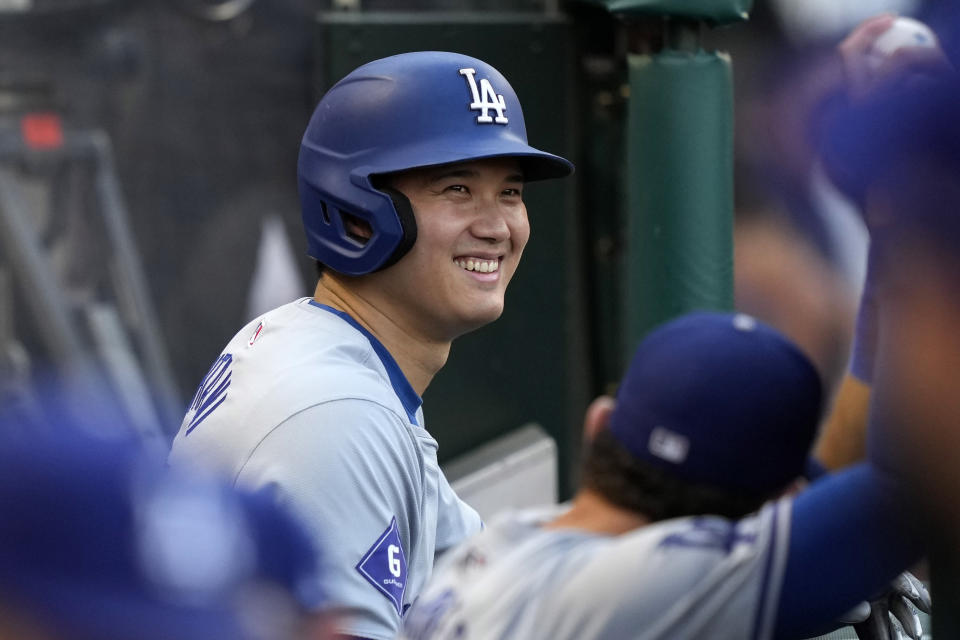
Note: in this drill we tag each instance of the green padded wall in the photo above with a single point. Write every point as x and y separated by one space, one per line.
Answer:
679 187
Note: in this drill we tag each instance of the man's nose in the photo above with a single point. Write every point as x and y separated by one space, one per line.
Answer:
490 222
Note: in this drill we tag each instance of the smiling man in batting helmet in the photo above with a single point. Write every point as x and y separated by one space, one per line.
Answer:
411 177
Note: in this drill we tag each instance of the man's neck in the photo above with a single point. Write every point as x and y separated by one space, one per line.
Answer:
418 357
592 512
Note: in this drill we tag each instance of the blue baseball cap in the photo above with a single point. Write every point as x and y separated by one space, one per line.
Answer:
100 540
720 399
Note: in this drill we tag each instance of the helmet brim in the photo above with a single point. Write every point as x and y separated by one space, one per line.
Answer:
535 164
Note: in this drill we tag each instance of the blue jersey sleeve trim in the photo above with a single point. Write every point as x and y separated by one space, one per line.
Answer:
850 535
409 398
765 583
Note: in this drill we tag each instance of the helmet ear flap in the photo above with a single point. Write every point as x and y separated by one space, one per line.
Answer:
408 225
358 236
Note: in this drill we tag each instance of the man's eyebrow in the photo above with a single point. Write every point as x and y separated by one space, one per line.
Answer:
453 173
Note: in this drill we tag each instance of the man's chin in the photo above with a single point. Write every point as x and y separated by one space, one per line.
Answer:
478 318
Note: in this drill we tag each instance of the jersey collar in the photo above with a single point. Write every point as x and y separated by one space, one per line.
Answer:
408 397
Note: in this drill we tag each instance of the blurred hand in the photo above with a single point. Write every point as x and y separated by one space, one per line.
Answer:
865 71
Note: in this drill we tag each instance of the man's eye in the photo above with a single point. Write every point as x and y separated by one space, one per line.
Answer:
459 188
513 193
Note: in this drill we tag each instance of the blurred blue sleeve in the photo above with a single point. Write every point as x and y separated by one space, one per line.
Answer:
848 539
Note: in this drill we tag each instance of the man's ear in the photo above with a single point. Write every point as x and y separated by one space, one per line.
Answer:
597 416
357 228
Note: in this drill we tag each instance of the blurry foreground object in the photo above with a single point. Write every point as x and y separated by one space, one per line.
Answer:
897 151
812 20
100 541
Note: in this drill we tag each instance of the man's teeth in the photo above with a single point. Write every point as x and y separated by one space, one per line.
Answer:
475 264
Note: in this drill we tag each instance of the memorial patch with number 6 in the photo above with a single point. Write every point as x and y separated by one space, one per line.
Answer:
385 566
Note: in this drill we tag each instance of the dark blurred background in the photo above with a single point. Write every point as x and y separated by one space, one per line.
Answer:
151 208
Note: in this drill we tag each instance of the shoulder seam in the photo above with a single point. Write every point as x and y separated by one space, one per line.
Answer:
253 449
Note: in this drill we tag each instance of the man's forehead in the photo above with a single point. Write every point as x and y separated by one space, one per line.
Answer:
510 167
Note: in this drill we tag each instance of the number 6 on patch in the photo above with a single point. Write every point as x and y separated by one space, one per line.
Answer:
393 561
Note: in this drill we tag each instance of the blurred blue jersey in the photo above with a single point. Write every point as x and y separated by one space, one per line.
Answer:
681 579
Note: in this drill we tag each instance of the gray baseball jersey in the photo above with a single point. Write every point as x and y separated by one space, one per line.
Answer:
682 579
304 401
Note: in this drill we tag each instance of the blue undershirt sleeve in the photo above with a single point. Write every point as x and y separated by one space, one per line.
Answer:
849 537
813 469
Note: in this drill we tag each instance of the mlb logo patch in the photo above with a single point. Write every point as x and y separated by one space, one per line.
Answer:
256 333
385 566
668 445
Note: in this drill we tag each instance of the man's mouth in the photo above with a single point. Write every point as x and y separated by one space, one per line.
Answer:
480 265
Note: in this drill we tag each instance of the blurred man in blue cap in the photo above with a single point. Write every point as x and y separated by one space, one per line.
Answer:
100 541
685 526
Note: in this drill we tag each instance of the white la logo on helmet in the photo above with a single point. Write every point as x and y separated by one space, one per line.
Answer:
485 99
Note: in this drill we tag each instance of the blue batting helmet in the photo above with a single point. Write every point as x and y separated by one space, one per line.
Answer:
402 112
